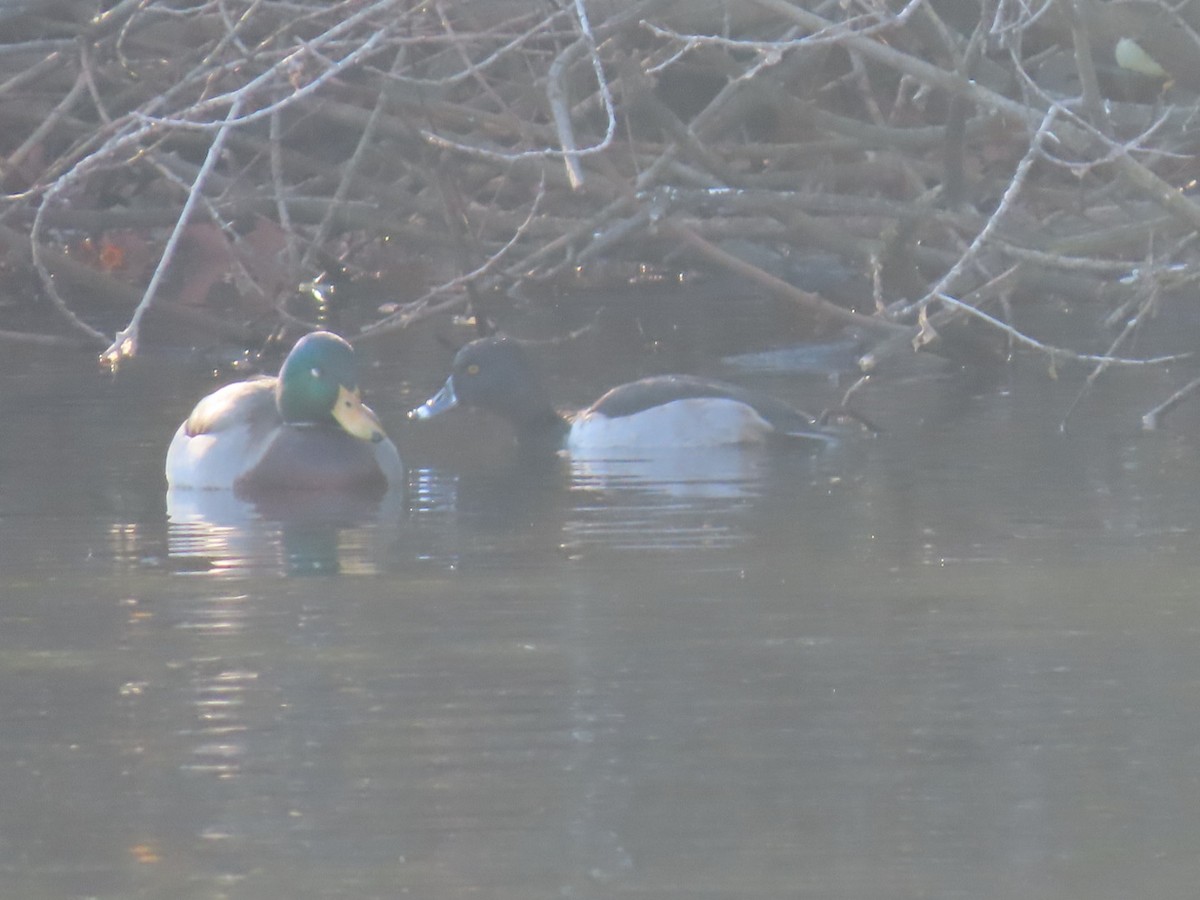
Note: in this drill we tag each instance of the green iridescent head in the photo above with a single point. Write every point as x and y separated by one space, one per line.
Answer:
318 384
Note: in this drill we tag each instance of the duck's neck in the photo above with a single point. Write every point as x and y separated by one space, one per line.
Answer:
543 432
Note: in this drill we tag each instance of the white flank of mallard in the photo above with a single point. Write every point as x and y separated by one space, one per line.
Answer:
211 461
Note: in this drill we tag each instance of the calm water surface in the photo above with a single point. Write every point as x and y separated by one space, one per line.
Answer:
955 661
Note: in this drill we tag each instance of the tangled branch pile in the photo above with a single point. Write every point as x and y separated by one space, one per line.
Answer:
203 158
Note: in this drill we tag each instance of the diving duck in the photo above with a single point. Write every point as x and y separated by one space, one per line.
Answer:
495 374
305 429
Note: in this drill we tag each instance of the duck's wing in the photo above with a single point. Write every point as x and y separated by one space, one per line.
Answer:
238 405
638 396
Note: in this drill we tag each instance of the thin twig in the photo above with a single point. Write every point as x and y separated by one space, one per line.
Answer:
125 344
815 304
1058 353
420 308
1152 419
1006 202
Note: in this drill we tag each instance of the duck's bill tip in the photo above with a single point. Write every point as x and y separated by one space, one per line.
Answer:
439 403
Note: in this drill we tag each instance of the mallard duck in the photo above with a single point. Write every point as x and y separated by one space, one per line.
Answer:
307 428
663 411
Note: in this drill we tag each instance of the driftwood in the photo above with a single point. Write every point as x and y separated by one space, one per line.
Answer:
962 162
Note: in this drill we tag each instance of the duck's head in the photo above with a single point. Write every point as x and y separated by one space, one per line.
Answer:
494 374
318 385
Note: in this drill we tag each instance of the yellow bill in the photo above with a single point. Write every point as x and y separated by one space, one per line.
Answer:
356 417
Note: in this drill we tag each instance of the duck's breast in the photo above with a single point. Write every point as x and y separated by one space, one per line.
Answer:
321 458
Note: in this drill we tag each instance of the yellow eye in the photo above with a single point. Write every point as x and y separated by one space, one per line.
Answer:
473 369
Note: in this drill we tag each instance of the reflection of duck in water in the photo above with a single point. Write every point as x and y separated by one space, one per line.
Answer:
680 411
305 429
299 531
